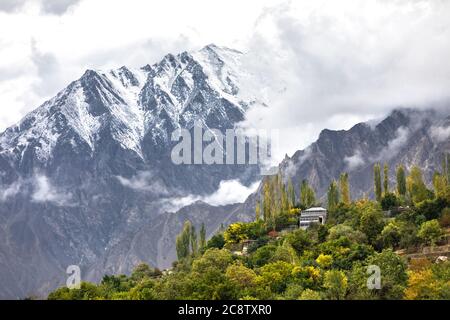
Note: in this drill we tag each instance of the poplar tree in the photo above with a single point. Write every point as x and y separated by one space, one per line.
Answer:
416 187
377 181
307 194
386 179
183 241
345 188
267 205
193 240
401 180
202 241
291 194
333 196
284 198
258 210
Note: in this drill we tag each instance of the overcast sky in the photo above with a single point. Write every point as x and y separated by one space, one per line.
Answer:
319 63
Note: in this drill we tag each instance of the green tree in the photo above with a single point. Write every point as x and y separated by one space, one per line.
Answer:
440 185
284 198
275 275
183 241
333 196
372 224
377 181
401 180
307 194
242 277
309 294
236 232
202 242
386 178
430 232
193 240
291 194
393 277
263 255
267 203
389 201
416 187
257 210
217 241
336 284
345 188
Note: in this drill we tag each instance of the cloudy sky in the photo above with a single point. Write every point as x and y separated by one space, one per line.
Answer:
319 63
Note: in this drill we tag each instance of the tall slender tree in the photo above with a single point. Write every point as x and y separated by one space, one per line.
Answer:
284 198
258 210
386 178
291 193
202 242
345 188
311 198
416 186
401 180
446 167
333 195
307 194
193 238
267 205
183 241
439 184
377 181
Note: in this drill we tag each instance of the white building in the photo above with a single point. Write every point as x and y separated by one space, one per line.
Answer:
312 215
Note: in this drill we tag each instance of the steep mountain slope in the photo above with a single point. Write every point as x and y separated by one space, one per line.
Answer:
82 174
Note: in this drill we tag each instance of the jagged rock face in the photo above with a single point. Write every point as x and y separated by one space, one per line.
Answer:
405 137
84 172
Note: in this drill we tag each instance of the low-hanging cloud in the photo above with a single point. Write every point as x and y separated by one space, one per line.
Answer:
354 162
44 191
395 145
229 192
144 181
440 134
10 191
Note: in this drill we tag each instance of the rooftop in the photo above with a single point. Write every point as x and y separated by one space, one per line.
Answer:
315 209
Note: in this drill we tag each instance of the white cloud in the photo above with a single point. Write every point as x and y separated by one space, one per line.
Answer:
144 181
44 191
9 191
229 192
326 64
440 134
395 145
56 7
355 161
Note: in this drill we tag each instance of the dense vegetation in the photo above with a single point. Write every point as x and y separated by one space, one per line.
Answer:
329 261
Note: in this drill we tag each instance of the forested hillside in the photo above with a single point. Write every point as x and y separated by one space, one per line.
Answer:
404 232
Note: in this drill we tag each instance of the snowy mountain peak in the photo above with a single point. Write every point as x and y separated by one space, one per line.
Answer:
129 105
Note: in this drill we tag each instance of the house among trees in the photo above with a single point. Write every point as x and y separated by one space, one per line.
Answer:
312 215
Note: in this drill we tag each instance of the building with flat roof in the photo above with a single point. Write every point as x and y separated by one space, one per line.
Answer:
312 215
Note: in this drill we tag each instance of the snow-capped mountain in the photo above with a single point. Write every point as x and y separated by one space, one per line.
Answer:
85 171
132 105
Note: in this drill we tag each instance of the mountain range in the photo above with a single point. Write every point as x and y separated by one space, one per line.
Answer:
86 178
